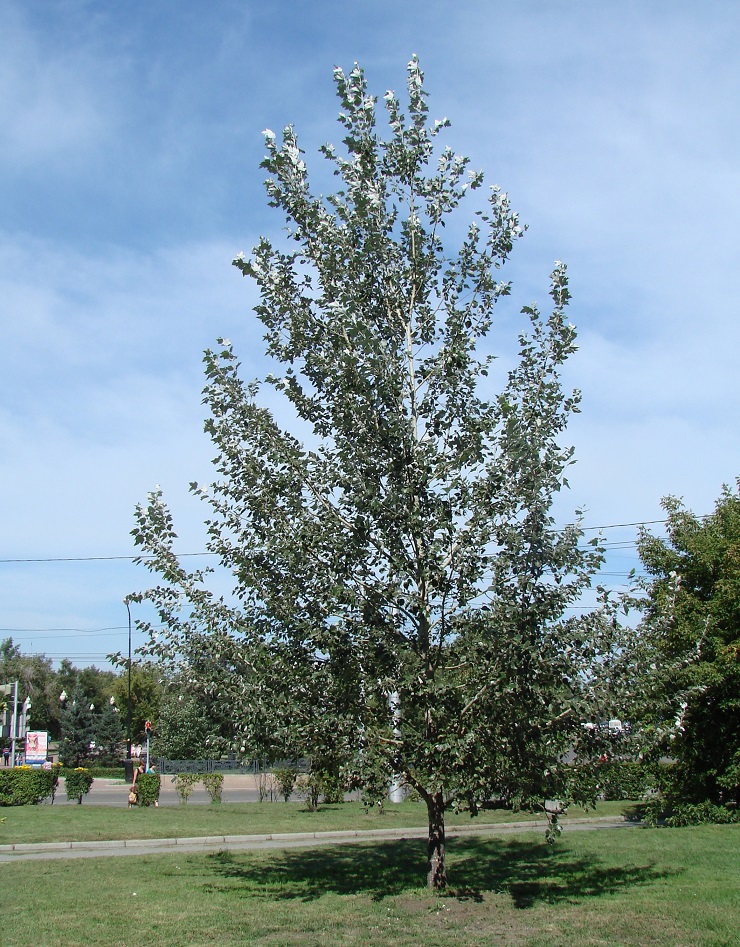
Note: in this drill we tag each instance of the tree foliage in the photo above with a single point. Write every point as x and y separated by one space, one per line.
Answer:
691 631
109 731
77 729
37 680
92 686
146 693
400 586
184 729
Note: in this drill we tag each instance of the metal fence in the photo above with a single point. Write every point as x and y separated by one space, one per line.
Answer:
249 767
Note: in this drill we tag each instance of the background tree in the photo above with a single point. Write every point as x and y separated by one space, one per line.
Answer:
77 729
185 729
692 632
109 733
146 693
96 684
37 680
400 586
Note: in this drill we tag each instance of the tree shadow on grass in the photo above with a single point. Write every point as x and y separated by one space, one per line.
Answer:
528 871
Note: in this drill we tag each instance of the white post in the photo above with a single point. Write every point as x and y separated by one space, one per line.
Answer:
396 793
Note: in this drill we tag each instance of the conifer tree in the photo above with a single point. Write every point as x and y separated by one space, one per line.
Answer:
77 729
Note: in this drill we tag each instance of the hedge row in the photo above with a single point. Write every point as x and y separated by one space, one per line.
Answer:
614 779
23 786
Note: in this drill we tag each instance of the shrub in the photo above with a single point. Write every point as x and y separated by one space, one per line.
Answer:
184 784
332 788
97 772
316 784
652 812
623 779
703 813
286 779
214 784
613 780
23 786
148 786
266 786
77 783
308 787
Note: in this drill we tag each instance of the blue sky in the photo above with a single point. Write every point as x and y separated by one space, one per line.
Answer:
129 152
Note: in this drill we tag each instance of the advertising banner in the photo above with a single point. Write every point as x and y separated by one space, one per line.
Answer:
37 742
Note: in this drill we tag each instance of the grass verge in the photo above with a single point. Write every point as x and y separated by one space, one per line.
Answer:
652 888
94 823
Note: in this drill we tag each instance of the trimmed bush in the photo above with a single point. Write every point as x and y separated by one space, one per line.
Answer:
148 786
308 787
77 782
332 788
213 783
266 786
24 786
316 784
99 772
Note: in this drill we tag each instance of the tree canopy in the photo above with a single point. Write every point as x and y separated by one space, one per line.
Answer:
692 632
77 728
400 587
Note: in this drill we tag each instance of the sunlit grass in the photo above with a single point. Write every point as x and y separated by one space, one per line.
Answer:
88 823
653 888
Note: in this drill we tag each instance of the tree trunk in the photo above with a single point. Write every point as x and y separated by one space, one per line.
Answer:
436 870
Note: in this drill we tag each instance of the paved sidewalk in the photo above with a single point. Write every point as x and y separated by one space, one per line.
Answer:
35 851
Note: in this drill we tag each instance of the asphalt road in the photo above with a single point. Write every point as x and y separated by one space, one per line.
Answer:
112 792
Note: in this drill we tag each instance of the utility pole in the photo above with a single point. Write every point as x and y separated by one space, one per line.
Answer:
129 765
14 724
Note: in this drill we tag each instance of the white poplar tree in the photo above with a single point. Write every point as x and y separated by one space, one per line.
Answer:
400 586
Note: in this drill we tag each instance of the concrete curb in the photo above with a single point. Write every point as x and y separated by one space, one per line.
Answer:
277 839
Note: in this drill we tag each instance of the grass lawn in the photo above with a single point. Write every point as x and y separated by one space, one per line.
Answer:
88 823
646 887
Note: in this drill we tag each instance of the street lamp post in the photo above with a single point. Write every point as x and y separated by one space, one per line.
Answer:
128 701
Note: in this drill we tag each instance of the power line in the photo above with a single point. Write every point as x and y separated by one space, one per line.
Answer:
184 555
85 631
620 525
40 632
181 555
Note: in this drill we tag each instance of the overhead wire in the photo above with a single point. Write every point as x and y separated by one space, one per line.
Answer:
609 546
184 555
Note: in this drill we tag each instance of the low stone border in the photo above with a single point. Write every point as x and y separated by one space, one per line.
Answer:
211 841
